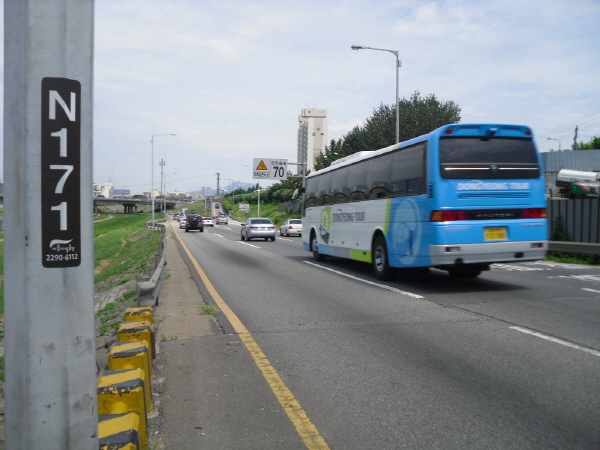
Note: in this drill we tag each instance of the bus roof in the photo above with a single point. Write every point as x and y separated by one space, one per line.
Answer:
456 129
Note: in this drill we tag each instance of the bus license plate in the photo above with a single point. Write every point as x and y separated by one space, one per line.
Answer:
495 233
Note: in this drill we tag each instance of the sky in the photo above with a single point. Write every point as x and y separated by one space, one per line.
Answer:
230 77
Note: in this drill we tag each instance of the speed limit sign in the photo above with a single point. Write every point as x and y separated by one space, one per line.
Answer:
269 169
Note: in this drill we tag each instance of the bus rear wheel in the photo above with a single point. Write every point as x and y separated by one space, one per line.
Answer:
314 246
381 266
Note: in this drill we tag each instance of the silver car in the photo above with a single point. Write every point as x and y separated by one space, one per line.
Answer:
222 219
258 227
291 226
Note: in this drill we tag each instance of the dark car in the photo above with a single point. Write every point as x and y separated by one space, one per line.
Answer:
194 222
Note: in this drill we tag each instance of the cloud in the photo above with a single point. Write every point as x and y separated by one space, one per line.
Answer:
230 77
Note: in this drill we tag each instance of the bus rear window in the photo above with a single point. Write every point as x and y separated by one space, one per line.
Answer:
498 158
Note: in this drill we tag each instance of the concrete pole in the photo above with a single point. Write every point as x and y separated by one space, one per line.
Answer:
49 280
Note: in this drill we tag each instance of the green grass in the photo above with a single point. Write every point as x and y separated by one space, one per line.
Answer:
123 243
124 246
208 310
2 283
573 258
270 210
111 316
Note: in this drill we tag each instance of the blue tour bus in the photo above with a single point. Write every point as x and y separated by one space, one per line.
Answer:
459 199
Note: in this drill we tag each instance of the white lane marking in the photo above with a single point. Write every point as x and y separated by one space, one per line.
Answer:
383 286
582 277
250 245
518 268
591 290
562 265
556 340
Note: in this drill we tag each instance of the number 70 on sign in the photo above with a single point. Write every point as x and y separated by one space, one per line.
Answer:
269 169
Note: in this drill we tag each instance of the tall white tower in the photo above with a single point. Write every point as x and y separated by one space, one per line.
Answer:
312 136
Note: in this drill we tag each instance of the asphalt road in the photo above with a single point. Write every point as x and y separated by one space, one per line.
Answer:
510 360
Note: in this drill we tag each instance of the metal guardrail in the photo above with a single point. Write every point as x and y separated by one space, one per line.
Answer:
574 247
149 290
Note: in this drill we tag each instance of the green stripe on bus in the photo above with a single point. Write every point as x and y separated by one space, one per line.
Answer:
360 255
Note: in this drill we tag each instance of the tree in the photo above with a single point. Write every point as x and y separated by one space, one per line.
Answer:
418 116
594 144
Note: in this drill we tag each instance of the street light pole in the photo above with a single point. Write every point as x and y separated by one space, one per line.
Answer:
152 176
554 139
398 64
162 165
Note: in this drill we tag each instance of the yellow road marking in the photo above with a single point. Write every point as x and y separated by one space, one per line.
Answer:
304 427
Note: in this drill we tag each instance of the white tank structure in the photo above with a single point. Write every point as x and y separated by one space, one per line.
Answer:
578 183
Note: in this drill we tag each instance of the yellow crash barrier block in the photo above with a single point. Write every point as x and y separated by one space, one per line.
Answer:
119 432
137 331
133 355
121 392
140 313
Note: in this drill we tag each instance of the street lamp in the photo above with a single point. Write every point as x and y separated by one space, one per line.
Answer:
152 177
162 165
398 63
554 139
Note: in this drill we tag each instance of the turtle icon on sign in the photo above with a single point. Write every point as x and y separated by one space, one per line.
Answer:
262 166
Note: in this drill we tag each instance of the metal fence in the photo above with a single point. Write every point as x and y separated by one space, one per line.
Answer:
579 217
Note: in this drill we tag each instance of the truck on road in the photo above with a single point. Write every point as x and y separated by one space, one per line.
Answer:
578 183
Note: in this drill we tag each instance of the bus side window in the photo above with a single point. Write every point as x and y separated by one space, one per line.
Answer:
324 200
380 173
358 195
399 188
357 182
414 186
340 197
379 192
408 170
311 201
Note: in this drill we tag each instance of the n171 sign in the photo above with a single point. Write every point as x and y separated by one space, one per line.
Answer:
61 172
269 169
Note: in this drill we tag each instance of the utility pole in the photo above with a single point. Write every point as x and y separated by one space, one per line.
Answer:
218 184
575 138
51 400
162 165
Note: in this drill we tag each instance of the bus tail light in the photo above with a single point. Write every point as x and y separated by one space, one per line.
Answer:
534 213
452 249
447 216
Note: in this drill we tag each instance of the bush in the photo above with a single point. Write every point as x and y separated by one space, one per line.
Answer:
559 233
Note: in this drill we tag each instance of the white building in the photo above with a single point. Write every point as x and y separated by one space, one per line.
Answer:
105 190
312 136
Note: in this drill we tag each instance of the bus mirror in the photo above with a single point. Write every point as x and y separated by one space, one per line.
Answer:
297 193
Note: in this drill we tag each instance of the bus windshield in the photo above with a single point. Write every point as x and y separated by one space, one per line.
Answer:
499 158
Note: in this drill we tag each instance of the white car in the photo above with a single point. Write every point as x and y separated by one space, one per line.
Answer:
222 219
291 226
208 222
182 223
